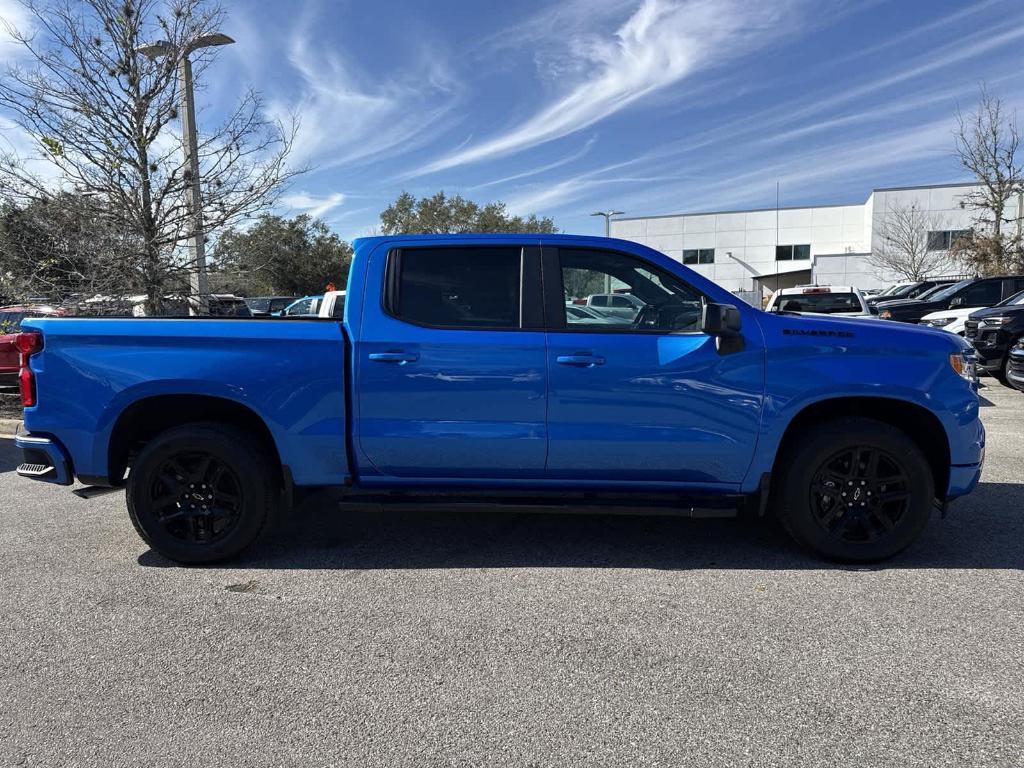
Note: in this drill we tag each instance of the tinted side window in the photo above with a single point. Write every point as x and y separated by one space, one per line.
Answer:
983 294
657 301
472 287
338 312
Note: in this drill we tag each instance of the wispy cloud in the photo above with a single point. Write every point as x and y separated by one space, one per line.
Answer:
659 45
345 117
567 160
13 16
315 206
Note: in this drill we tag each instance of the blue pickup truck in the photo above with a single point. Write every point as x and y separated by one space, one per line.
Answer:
457 376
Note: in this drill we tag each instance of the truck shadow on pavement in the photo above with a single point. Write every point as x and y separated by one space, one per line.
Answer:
983 531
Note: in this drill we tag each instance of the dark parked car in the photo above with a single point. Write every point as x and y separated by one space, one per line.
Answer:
977 292
1015 367
906 291
267 306
994 332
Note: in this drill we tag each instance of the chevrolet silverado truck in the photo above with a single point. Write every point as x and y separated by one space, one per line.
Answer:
457 377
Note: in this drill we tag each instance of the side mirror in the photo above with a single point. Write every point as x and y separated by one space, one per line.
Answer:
957 302
720 320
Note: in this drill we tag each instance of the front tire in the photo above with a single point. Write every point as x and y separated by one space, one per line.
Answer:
202 493
855 490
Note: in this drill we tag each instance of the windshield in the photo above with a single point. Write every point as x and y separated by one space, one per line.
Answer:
946 291
824 303
1017 300
899 290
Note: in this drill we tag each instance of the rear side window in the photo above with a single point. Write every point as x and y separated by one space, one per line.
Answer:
338 312
470 287
826 303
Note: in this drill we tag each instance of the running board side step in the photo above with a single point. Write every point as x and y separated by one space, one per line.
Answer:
706 507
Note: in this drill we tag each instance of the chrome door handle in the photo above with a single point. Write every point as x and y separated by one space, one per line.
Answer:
580 361
394 357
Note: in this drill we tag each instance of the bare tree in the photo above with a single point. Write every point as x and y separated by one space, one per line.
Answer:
904 244
103 118
988 144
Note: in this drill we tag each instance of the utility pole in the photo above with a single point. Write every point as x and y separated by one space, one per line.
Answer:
198 281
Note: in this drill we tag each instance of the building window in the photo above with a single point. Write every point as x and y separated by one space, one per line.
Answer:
792 252
699 256
943 240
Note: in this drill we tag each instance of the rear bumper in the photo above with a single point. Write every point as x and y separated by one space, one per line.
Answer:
45 460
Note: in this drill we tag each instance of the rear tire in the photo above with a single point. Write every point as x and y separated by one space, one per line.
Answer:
202 493
855 490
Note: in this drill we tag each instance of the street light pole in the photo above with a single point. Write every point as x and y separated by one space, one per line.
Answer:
607 233
607 220
198 282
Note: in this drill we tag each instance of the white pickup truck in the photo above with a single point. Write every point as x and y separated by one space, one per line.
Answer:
842 300
332 305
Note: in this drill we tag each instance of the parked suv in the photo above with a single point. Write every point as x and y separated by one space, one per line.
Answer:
976 292
994 331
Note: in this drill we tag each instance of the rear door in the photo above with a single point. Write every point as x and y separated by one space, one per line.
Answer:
648 399
451 379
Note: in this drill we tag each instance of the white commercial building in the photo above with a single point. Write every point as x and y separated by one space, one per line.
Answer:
759 250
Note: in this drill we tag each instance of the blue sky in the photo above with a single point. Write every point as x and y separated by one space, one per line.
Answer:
649 106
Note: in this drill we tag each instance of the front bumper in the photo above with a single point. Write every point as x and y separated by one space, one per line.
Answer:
45 460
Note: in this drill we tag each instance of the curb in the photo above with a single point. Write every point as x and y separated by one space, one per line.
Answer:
9 427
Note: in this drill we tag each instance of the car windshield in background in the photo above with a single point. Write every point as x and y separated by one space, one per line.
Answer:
823 303
900 290
946 291
1017 300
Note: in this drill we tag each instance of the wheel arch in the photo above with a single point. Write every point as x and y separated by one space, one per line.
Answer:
921 425
147 417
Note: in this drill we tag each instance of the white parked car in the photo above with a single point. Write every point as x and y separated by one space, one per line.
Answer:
820 300
951 320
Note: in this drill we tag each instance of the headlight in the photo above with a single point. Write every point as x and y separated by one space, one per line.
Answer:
885 314
963 364
996 321
938 322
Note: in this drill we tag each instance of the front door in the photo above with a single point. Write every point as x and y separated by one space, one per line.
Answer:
645 397
451 373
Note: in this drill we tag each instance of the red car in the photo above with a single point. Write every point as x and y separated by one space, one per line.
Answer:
10 325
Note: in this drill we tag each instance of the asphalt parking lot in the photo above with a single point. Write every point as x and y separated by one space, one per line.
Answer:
503 639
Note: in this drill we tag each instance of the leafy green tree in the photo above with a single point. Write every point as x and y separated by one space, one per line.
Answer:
279 256
441 214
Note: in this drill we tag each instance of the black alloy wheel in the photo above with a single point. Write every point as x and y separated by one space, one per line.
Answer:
853 489
196 497
202 493
860 494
